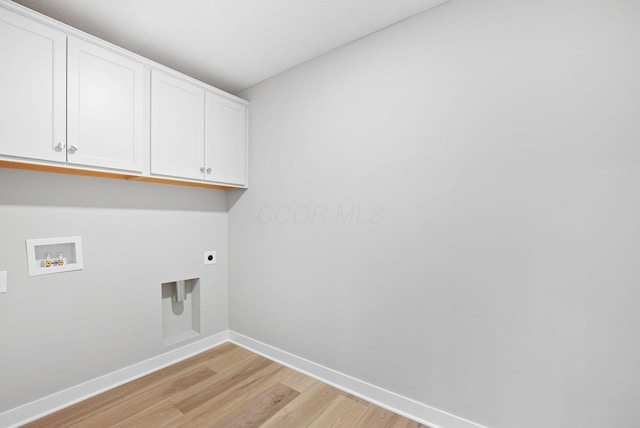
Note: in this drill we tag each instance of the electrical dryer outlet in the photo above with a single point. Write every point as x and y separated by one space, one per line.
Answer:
209 257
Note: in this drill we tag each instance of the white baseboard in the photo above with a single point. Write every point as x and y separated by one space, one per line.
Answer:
59 400
426 415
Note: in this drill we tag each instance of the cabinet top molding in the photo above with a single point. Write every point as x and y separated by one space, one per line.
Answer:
71 31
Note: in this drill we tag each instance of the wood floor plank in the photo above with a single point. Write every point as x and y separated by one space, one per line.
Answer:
192 391
299 382
397 421
341 412
374 417
188 403
302 411
72 414
227 386
230 360
124 410
156 416
233 399
256 411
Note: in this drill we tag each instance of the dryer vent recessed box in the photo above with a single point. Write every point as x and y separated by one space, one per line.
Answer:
54 255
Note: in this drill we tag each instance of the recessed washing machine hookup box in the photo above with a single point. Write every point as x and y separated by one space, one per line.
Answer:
54 255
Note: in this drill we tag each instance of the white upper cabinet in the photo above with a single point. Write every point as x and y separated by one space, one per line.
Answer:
32 89
225 140
196 134
76 104
105 108
177 127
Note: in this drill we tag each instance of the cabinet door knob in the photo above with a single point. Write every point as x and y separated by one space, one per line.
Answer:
208 170
59 147
73 148
202 169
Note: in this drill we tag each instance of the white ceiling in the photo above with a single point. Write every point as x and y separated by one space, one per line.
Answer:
230 44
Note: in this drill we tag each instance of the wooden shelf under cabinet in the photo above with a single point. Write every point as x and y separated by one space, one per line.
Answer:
112 175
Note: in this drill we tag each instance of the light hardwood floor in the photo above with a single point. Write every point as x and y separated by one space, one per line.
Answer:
227 386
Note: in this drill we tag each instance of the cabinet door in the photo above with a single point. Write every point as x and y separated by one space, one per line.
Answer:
177 127
105 108
32 89
225 140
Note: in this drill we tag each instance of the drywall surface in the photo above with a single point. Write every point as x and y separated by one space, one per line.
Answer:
63 329
450 209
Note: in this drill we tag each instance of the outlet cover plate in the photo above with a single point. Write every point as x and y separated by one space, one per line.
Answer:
210 257
3 281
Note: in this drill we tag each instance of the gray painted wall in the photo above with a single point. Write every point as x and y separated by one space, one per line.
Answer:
449 209
57 331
